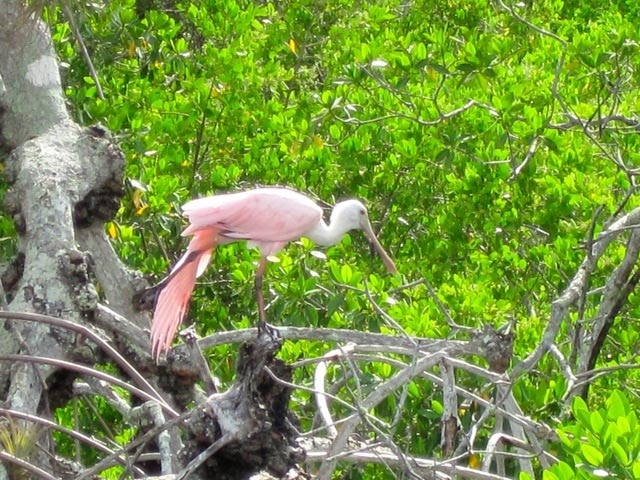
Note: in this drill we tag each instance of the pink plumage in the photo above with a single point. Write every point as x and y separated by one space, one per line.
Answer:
267 218
175 290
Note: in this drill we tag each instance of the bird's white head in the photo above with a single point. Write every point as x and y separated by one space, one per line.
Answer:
352 215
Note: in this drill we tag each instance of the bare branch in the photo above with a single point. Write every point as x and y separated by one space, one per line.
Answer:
29 467
195 353
319 451
425 123
427 345
527 158
92 442
87 58
577 285
597 124
81 329
385 388
89 371
319 381
200 459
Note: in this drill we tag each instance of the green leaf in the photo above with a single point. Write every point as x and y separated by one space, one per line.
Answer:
567 439
559 471
420 51
622 425
592 454
335 132
596 422
581 411
346 273
619 453
470 48
615 406
335 303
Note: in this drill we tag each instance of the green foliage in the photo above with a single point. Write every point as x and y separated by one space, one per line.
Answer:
602 442
94 417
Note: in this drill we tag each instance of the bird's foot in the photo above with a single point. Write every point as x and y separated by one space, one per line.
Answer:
265 329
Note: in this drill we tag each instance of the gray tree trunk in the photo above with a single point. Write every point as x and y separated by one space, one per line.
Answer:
66 181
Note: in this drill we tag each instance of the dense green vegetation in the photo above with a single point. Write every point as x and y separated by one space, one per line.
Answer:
487 142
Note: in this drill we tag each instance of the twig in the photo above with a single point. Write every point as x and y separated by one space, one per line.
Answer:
527 158
546 33
419 121
96 387
328 466
386 317
163 440
319 386
504 396
29 467
92 442
197 156
83 47
566 368
497 438
114 354
443 309
312 391
560 306
89 371
137 442
140 441
426 467
597 123
188 335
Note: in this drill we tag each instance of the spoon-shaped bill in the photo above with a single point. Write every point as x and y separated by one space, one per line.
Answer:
386 259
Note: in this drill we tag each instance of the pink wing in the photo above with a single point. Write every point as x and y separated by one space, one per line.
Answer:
174 296
267 217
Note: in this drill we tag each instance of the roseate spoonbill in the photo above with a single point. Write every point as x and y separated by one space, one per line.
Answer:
267 218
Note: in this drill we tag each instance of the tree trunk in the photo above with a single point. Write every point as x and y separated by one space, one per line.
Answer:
66 181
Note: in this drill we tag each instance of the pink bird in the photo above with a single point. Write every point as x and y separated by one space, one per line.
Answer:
267 218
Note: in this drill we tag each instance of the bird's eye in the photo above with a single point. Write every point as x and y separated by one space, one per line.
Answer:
363 211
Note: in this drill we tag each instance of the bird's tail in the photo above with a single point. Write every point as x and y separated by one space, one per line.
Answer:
176 288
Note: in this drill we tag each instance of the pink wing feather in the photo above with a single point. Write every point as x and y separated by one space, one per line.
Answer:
173 298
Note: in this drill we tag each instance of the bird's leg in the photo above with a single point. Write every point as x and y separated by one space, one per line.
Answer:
263 326
262 316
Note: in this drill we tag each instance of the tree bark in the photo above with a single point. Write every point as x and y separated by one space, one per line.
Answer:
66 181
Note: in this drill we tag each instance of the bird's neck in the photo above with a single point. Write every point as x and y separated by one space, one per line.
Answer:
326 235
